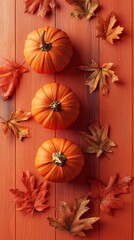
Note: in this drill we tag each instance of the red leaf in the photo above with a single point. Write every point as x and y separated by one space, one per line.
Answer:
35 196
108 196
43 6
11 73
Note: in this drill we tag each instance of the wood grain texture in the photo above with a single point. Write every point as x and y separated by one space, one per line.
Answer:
7 146
116 111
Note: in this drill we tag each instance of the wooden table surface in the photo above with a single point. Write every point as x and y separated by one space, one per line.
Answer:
115 110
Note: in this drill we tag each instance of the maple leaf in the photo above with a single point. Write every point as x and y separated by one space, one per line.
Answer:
35 196
13 124
43 6
99 75
70 220
11 72
84 8
98 140
108 196
106 29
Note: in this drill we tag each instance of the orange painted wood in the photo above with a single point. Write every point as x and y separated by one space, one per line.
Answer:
7 146
116 111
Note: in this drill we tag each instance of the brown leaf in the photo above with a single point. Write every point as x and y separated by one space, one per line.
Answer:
106 29
108 196
70 220
84 8
99 75
42 6
35 196
98 140
13 124
11 72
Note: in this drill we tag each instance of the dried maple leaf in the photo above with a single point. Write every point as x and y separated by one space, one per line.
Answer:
13 124
107 196
43 6
99 75
84 8
98 140
35 196
106 29
70 220
11 72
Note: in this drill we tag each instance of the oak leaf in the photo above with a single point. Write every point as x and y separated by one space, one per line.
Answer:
34 198
42 6
97 140
13 124
84 8
106 29
108 196
99 75
11 73
70 220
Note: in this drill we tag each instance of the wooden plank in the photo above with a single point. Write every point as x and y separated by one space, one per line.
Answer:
7 159
81 33
26 227
116 111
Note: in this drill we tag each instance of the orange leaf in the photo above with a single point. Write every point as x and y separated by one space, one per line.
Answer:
13 124
106 29
84 8
43 6
11 72
70 220
99 75
35 196
108 196
97 140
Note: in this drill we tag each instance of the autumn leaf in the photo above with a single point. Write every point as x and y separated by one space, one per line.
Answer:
70 220
11 73
84 8
106 29
13 124
108 196
42 6
99 75
97 140
34 198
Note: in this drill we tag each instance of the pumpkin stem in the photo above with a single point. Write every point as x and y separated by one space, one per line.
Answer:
59 158
56 106
45 46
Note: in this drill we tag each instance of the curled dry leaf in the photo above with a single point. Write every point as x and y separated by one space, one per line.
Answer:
11 73
42 6
99 75
84 8
97 140
70 220
106 29
108 195
34 198
13 124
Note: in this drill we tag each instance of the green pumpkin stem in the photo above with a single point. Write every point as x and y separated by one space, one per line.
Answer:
59 158
45 46
56 106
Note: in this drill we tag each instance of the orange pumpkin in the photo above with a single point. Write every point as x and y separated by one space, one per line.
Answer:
59 160
48 50
55 106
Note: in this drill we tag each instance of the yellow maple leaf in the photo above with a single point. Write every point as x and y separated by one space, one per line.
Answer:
70 220
84 8
99 76
97 140
13 124
107 30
